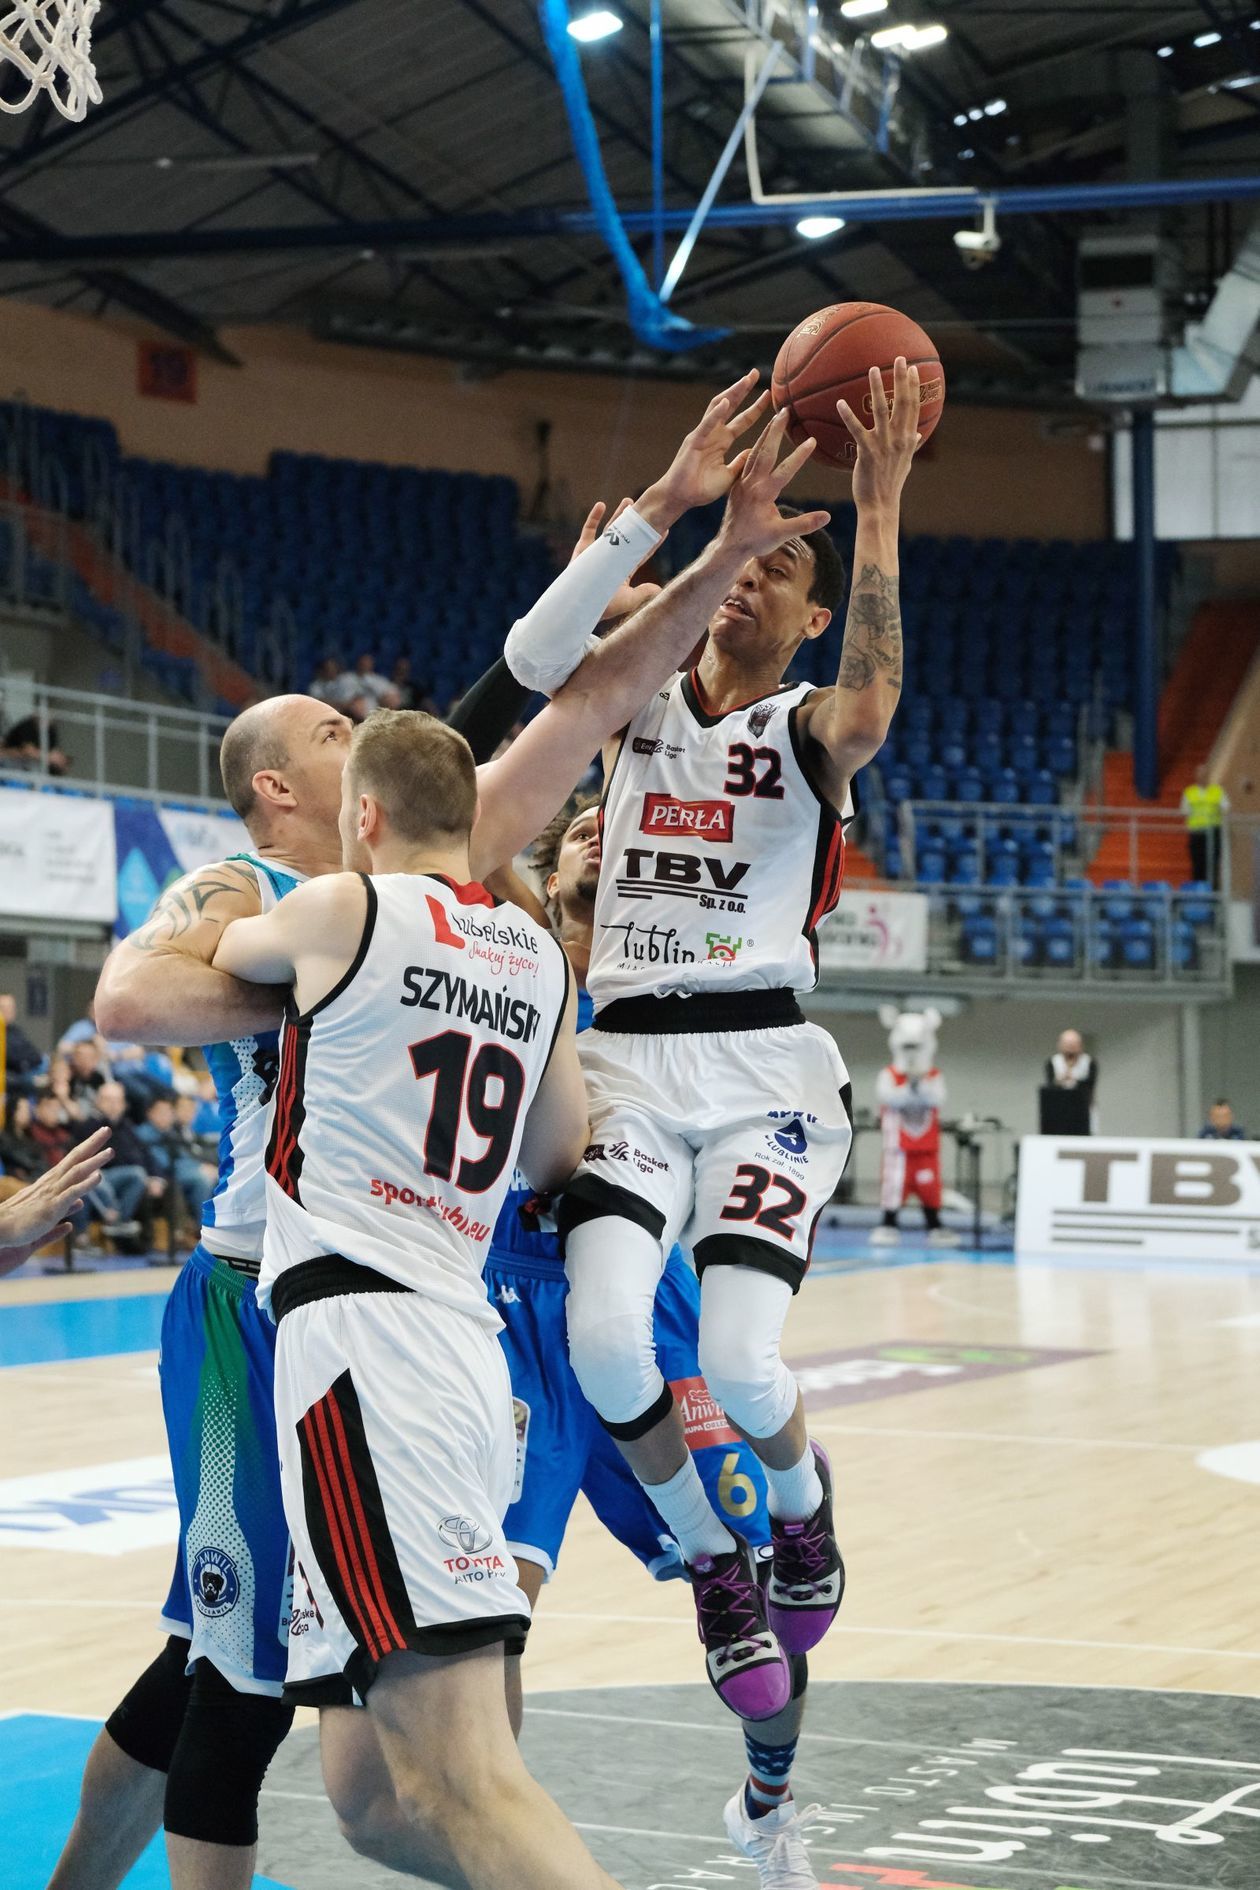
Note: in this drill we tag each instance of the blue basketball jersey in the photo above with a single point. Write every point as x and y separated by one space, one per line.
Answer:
244 1071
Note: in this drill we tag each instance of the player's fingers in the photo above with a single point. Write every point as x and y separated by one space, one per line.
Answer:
765 450
788 469
742 421
736 466
905 398
590 529
736 392
807 522
879 405
860 433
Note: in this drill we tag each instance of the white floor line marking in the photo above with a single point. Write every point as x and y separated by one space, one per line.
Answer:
1241 1323
1000 1437
630 1830
698 1726
934 1634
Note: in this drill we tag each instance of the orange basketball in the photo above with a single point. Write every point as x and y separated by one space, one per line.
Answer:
828 357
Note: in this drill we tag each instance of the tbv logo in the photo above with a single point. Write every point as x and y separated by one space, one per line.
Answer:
689 877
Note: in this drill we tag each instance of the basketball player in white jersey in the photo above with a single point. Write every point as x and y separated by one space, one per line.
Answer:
427 1047
282 764
719 1116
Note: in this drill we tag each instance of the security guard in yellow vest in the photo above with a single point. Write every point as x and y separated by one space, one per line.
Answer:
1204 805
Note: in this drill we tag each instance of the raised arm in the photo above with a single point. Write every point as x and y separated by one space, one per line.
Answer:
845 726
523 789
160 986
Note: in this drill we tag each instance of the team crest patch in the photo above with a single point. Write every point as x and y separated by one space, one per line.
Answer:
216 1586
759 719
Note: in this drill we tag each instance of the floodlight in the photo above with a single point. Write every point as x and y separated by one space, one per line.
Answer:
601 24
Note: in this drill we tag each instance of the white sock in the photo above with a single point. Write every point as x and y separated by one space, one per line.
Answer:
684 1504
793 1495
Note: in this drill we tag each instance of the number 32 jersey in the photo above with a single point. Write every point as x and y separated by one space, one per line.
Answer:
719 859
402 1095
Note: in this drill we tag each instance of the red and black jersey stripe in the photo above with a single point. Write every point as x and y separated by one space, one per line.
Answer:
284 1149
828 875
349 1530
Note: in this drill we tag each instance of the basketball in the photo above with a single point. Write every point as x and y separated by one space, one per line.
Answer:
828 358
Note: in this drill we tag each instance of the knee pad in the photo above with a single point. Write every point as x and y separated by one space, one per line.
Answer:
741 1317
216 1773
146 1723
614 1268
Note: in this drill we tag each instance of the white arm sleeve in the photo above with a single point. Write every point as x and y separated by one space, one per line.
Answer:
545 646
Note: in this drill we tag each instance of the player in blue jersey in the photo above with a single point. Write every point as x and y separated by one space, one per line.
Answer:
563 1448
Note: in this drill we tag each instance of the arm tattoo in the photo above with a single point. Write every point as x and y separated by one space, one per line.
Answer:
872 632
188 903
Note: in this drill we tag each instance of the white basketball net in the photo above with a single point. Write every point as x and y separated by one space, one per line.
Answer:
50 44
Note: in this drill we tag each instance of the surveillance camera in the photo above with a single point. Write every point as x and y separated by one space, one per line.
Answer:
977 247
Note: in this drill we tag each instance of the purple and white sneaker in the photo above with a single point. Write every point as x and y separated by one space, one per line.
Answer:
806 1584
747 1668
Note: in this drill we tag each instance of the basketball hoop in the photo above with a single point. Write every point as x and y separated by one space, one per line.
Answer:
50 44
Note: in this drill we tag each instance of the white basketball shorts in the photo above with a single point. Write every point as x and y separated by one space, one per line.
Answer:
730 1141
397 1459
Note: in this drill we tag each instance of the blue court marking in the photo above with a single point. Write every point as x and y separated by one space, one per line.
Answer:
79 1328
41 1762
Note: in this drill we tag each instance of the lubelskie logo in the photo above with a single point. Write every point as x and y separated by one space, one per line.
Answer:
708 820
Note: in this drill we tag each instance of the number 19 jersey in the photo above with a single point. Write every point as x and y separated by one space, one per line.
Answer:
402 1095
719 857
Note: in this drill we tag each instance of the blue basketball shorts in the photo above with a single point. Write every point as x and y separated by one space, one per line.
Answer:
561 1446
232 1590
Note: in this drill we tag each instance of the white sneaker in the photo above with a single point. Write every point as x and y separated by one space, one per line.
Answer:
776 1843
944 1237
885 1236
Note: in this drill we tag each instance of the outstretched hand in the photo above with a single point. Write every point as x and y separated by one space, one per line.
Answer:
701 472
37 1215
631 596
885 449
753 523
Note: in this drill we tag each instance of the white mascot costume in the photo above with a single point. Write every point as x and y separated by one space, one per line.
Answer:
911 1095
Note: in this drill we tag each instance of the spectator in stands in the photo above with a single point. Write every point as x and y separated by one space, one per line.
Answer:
377 690
173 1162
123 1188
1220 1125
21 1058
199 1146
412 694
57 1082
22 748
19 1155
339 687
1205 805
86 1075
51 1128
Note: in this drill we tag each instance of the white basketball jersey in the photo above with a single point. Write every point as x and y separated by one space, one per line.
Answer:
719 857
402 1096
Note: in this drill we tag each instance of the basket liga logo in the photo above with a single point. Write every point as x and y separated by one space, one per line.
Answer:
216 1585
466 1536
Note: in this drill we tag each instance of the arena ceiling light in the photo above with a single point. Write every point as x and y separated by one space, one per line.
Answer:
816 227
858 9
601 24
1163 52
1207 39
908 39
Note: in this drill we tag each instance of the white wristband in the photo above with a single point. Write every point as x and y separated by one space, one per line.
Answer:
546 645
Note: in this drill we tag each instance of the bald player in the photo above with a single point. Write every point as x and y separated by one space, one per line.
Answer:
192 1740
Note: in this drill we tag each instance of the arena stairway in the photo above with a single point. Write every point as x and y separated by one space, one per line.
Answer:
1209 671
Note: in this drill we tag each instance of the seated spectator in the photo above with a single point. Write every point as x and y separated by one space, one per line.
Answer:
51 1127
411 694
124 1188
1220 1125
377 690
22 748
21 1059
199 1147
339 687
182 1175
57 1082
19 1155
85 1073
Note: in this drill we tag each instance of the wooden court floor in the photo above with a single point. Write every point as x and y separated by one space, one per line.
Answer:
1020 1463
